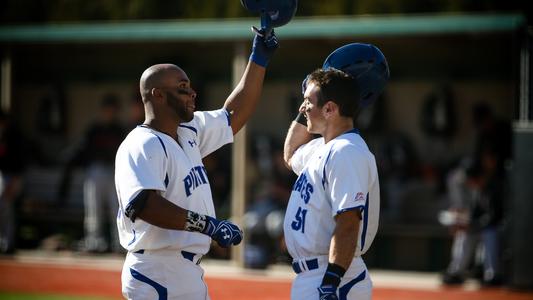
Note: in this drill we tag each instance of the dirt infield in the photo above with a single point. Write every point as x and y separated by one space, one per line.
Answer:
37 278
102 280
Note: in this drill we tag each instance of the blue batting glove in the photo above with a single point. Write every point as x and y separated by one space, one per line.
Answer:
327 292
263 48
223 232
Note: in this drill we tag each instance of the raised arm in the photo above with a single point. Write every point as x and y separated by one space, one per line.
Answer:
241 103
296 136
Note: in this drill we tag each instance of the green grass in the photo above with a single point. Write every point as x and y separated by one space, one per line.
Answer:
26 296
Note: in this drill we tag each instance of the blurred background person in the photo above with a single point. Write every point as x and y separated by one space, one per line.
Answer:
96 153
476 190
265 212
492 134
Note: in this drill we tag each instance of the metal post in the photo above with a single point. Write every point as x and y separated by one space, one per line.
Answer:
238 182
524 108
5 87
521 206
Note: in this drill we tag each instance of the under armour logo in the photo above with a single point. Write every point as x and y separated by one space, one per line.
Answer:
226 236
192 143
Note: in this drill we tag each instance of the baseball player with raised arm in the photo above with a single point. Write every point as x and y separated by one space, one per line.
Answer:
166 219
333 212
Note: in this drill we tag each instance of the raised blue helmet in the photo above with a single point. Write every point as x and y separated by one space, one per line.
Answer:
366 63
274 13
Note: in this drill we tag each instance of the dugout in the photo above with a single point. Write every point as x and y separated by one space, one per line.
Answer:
466 58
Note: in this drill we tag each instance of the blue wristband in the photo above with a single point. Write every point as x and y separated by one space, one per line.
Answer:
333 275
263 50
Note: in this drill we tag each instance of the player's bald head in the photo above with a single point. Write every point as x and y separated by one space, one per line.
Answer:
158 76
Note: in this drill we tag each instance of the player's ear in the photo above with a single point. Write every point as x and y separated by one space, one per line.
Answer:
330 107
156 93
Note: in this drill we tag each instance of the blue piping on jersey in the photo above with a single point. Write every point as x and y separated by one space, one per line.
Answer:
160 140
354 130
345 289
360 207
228 116
134 238
365 222
161 290
324 180
164 149
190 128
162 145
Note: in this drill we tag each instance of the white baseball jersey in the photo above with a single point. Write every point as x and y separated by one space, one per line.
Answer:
332 178
151 160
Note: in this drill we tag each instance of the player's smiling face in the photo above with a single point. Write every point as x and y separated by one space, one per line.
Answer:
313 113
181 97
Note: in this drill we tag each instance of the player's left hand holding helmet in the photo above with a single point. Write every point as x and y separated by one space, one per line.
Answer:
263 47
274 13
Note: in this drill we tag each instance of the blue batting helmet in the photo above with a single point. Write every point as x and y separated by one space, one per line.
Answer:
366 63
279 12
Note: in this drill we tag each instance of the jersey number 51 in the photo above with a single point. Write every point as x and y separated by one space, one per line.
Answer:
299 223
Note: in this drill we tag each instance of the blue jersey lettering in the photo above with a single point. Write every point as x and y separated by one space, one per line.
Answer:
196 177
303 186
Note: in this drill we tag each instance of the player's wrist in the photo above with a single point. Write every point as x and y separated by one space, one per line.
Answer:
223 232
333 275
259 59
196 222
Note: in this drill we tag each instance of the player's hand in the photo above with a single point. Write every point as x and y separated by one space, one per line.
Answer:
327 292
223 232
263 48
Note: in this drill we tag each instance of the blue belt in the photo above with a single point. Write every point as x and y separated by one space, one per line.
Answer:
186 254
308 265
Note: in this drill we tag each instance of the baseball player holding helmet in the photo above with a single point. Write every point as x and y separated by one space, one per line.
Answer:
166 219
333 212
